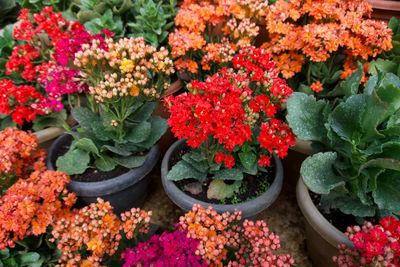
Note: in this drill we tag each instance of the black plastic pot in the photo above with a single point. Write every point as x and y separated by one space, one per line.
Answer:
123 192
248 208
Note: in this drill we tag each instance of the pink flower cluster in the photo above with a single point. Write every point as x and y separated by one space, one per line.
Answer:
374 245
165 250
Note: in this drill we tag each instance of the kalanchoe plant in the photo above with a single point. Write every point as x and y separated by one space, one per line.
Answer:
318 43
125 79
30 99
148 19
358 166
231 123
374 245
205 238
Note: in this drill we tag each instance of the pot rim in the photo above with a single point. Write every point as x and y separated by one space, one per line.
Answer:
109 186
248 208
316 220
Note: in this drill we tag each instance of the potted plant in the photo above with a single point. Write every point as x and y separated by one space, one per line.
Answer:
209 33
233 242
29 56
355 173
114 146
231 138
374 245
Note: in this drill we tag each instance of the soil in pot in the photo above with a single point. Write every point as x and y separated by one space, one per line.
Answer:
252 186
92 174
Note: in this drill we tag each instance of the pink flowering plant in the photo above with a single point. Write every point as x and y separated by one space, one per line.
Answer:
231 124
29 79
124 79
205 238
374 245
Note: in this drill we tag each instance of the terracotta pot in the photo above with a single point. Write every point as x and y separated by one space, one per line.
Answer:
322 237
384 9
47 136
249 208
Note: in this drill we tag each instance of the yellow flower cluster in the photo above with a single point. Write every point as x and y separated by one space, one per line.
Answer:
126 68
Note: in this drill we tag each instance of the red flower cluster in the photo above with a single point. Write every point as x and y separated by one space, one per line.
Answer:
22 102
229 105
31 205
374 245
34 60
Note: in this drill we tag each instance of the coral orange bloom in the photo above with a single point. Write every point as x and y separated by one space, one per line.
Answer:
317 86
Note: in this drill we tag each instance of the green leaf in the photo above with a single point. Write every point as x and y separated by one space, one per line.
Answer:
87 145
75 161
144 112
29 257
218 189
349 86
354 207
53 119
139 133
345 119
387 193
92 122
306 116
158 128
201 166
118 150
318 175
229 174
383 163
248 160
183 170
105 163
131 161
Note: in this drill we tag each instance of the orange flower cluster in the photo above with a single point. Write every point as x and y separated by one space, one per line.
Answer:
219 234
315 29
30 205
19 154
200 24
96 228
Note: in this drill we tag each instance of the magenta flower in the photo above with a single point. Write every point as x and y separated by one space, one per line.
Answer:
165 250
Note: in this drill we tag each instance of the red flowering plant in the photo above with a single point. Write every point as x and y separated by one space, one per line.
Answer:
374 245
231 123
205 238
317 43
28 90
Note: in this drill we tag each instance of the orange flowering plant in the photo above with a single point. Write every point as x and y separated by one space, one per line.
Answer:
317 43
209 33
19 156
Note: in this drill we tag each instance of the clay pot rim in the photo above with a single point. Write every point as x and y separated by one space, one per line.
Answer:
316 220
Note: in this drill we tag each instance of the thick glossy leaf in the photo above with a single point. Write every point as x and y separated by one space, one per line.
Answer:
318 175
248 160
119 150
201 166
387 193
105 163
229 174
139 133
354 207
131 161
53 119
75 161
182 170
306 117
87 145
345 119
218 189
144 112
158 128
91 121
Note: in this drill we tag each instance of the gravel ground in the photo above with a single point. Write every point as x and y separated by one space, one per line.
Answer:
283 217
